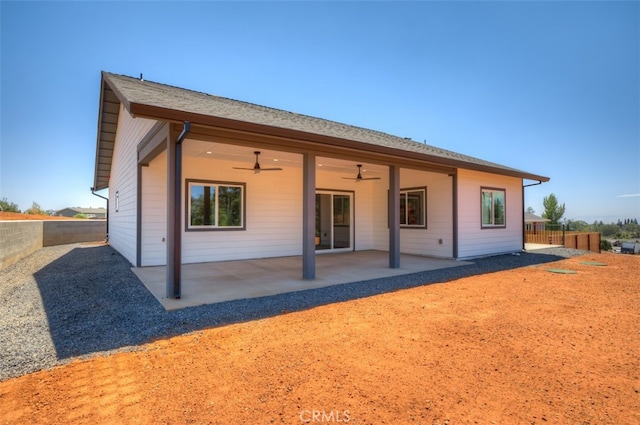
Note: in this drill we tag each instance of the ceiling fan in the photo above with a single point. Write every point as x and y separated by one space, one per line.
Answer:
256 167
359 176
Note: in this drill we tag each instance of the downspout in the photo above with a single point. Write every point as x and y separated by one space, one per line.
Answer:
174 291
107 213
524 233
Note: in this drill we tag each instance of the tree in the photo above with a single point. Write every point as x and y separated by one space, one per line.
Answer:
609 230
552 210
35 209
7 206
577 225
530 210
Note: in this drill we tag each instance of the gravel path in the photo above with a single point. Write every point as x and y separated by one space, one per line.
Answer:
77 300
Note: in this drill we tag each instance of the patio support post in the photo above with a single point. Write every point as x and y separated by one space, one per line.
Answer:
454 188
174 202
394 217
308 216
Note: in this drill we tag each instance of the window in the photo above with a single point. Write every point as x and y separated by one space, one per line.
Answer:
493 207
341 210
215 205
413 211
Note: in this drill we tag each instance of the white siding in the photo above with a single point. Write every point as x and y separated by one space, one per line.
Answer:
380 201
154 212
123 180
475 241
439 215
420 241
274 213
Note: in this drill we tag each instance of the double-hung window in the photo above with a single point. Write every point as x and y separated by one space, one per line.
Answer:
492 204
215 205
413 207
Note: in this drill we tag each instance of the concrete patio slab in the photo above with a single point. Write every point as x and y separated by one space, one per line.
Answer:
209 283
537 246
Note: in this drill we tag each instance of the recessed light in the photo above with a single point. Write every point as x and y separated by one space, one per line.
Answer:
208 152
275 160
319 165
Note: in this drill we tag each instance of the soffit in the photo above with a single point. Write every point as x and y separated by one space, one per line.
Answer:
107 126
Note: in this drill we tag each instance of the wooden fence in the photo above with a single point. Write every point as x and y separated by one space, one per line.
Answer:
588 241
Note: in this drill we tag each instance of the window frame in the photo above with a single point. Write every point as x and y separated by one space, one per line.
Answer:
405 192
493 190
211 227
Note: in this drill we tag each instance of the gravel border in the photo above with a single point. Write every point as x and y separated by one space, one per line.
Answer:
71 301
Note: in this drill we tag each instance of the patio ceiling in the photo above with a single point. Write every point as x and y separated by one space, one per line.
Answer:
244 156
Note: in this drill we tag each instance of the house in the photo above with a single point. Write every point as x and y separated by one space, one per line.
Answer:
88 212
199 178
534 224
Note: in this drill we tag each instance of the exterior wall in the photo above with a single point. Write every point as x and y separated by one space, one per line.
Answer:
439 215
274 213
154 212
73 231
274 219
363 206
420 241
380 194
123 181
18 239
473 240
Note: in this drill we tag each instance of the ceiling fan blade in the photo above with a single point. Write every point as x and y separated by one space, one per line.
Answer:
359 175
256 167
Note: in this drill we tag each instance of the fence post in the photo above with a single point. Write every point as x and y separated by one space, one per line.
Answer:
563 227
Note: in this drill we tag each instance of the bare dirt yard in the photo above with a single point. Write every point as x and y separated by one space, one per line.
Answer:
4 215
523 346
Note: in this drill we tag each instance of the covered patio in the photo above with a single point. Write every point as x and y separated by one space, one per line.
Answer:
215 282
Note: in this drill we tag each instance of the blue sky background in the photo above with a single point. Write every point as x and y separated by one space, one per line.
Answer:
552 88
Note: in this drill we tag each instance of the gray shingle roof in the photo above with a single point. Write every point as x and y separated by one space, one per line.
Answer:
532 218
141 92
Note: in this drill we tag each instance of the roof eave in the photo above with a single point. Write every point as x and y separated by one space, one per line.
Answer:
172 115
107 123
97 181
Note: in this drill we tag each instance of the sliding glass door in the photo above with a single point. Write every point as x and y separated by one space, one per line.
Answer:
334 221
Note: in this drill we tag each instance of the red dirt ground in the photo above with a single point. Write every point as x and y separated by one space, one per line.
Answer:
17 216
522 346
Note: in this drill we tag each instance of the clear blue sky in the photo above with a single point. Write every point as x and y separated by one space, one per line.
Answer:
552 88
